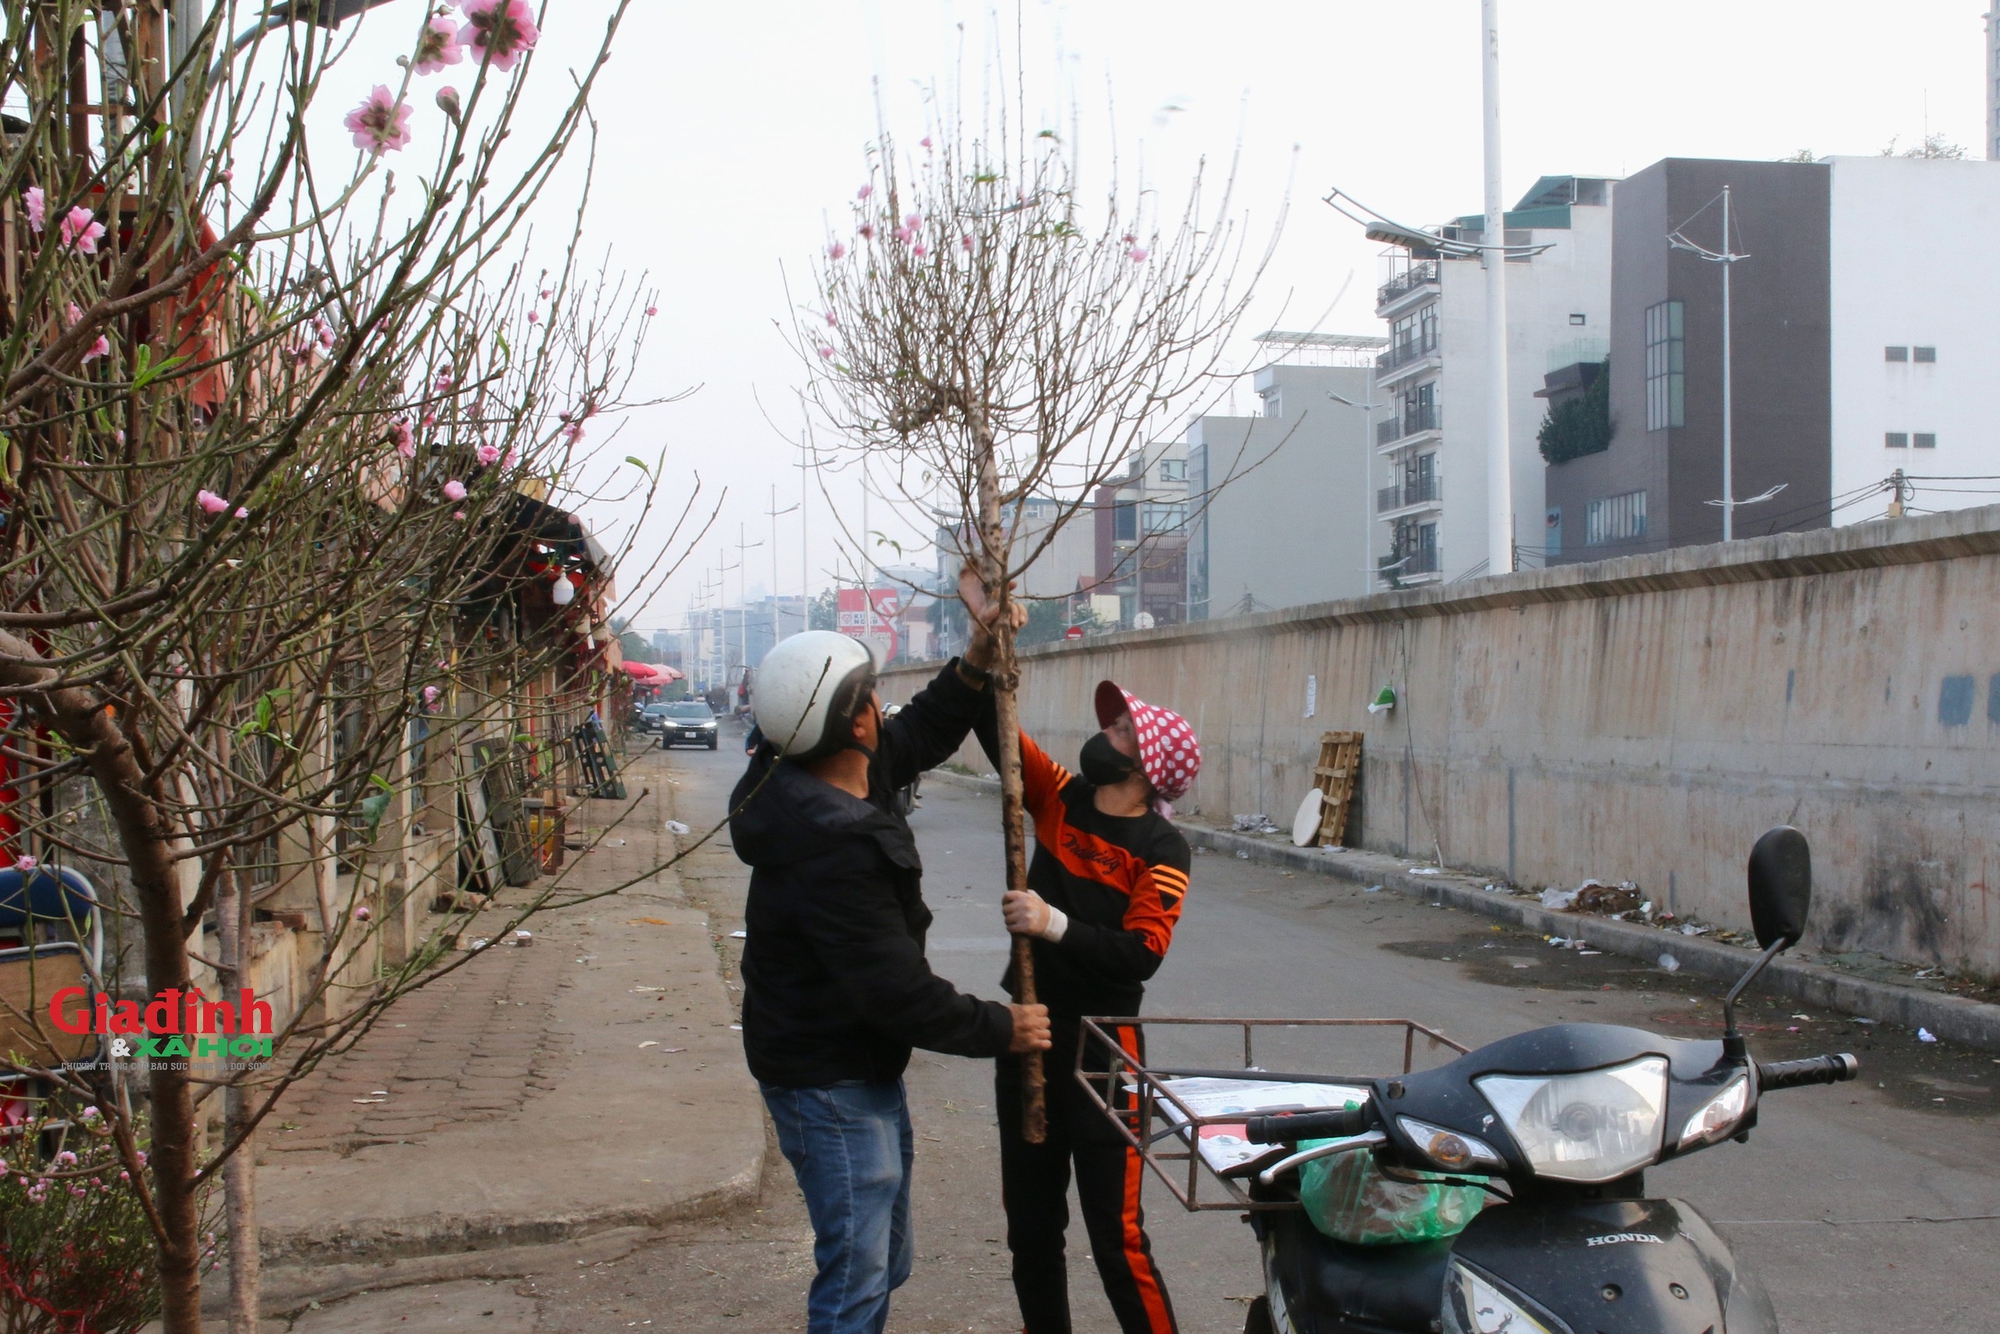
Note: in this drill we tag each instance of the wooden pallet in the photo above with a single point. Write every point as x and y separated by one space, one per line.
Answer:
1339 765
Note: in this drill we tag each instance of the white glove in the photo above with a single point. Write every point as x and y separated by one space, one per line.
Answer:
1027 913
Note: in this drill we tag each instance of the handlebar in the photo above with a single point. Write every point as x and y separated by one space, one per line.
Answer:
1291 1127
1811 1070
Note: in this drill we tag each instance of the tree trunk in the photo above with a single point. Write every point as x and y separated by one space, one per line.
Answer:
233 915
1013 830
89 725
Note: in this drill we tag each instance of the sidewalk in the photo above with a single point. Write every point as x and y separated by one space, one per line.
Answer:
586 1083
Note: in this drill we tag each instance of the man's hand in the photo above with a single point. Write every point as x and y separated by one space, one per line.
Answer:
1031 1028
984 617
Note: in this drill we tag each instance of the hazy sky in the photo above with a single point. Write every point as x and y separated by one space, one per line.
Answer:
732 132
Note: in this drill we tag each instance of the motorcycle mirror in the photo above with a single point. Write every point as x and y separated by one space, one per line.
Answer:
1780 887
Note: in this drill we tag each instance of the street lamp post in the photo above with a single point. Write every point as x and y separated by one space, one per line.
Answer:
776 613
1499 451
1728 259
1368 411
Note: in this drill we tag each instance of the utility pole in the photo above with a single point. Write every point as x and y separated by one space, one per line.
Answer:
1728 259
777 628
1499 453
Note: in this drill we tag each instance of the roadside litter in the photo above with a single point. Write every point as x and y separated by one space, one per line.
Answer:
1668 963
676 827
1255 824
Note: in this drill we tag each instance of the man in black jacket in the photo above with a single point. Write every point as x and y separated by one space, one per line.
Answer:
836 987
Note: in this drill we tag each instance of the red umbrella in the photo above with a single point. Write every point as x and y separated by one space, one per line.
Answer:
641 671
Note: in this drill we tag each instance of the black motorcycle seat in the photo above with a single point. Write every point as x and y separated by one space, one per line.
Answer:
1399 1287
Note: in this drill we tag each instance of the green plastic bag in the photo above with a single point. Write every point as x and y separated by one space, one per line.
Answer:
1349 1199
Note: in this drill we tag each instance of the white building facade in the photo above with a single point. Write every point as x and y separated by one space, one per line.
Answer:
1915 317
1428 474
1278 503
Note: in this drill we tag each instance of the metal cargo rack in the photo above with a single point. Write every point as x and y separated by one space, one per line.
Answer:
1170 1141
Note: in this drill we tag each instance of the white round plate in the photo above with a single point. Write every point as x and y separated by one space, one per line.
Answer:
1305 825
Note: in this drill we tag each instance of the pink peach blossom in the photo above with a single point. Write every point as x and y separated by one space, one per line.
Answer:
21 864
401 437
438 46
867 231
211 502
864 192
459 515
38 208
362 913
652 310
1137 254
100 348
499 31
454 490
242 513
920 250
832 320
534 317
836 251
925 141
826 353
381 123
81 230
489 455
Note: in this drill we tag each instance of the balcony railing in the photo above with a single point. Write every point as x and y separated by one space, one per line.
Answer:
1421 418
1409 280
1402 354
1412 491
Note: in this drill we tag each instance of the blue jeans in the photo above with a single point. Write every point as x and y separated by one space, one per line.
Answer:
850 1147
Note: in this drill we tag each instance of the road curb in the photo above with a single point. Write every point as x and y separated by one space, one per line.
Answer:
1951 1018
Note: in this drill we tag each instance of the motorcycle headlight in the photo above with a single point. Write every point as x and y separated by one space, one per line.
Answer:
1474 1305
1718 1116
1594 1126
1449 1149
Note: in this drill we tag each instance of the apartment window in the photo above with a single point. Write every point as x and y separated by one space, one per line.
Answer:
1577 317
1895 354
1924 354
1427 549
1925 440
1173 470
1125 523
1274 404
1666 367
1155 517
1615 519
1896 440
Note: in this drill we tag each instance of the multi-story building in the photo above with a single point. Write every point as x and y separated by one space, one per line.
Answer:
1992 135
1278 503
1141 538
1429 477
1858 367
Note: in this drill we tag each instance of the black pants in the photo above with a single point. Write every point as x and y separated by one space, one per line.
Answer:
1034 1184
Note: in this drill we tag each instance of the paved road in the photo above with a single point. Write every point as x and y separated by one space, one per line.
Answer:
1866 1207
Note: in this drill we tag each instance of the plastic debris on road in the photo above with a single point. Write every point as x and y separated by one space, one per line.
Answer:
1557 898
676 827
739 935
1426 870
1925 1035
1372 889
1242 856
1668 963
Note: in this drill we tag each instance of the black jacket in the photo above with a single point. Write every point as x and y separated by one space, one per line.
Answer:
835 985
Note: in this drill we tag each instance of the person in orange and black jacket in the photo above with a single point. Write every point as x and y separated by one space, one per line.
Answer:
1106 884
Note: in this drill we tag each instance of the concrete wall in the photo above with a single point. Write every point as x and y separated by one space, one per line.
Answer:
1644 718
1902 276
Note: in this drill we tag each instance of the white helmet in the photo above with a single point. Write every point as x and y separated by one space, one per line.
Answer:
808 689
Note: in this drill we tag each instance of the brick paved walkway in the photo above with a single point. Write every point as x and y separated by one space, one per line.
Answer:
474 1046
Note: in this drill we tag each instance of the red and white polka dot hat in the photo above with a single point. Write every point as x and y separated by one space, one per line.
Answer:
1168 751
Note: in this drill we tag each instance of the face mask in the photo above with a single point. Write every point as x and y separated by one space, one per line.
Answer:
1103 764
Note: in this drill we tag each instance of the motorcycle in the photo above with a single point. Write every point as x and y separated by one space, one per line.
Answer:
1556 1126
